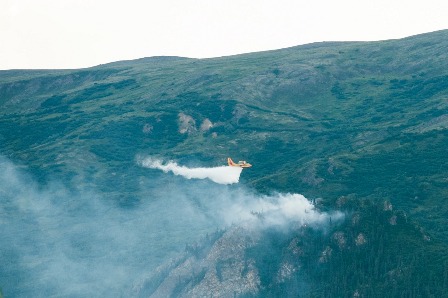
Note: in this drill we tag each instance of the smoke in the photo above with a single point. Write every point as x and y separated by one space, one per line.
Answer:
221 175
277 210
238 205
59 241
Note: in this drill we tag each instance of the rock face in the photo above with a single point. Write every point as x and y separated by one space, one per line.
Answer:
255 260
216 268
246 260
186 124
206 125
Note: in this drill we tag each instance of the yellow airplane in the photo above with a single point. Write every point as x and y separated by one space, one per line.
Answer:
241 164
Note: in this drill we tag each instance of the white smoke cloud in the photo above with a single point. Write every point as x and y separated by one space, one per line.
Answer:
61 242
237 205
221 175
80 243
273 210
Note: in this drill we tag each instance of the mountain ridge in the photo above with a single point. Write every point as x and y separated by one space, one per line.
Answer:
358 125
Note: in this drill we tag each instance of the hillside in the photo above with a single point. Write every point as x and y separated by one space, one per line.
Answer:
356 124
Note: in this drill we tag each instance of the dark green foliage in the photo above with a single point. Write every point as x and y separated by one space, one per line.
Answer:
268 255
53 102
99 91
419 88
338 91
374 253
391 261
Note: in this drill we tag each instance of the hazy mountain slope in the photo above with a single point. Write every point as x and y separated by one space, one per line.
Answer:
324 106
341 121
375 253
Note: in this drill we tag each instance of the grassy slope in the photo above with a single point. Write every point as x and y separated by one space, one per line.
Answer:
330 120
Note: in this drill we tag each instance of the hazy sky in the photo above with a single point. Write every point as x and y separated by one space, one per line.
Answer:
81 33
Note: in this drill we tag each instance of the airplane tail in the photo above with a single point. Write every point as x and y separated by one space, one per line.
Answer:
230 161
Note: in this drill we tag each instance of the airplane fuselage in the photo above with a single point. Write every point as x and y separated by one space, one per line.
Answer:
241 163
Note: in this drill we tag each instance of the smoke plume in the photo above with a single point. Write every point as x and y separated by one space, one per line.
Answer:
277 210
220 175
60 241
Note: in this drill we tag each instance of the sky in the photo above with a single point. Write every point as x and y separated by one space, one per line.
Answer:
81 33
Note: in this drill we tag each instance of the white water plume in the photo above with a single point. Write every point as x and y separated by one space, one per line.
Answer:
241 205
220 175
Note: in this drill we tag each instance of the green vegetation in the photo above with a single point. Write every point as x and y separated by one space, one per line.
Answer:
376 252
360 120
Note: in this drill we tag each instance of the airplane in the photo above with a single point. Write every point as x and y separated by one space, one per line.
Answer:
241 164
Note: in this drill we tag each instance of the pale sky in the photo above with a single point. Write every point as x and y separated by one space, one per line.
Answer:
83 33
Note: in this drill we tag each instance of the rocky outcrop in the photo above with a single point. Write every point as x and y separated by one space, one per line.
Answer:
215 268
